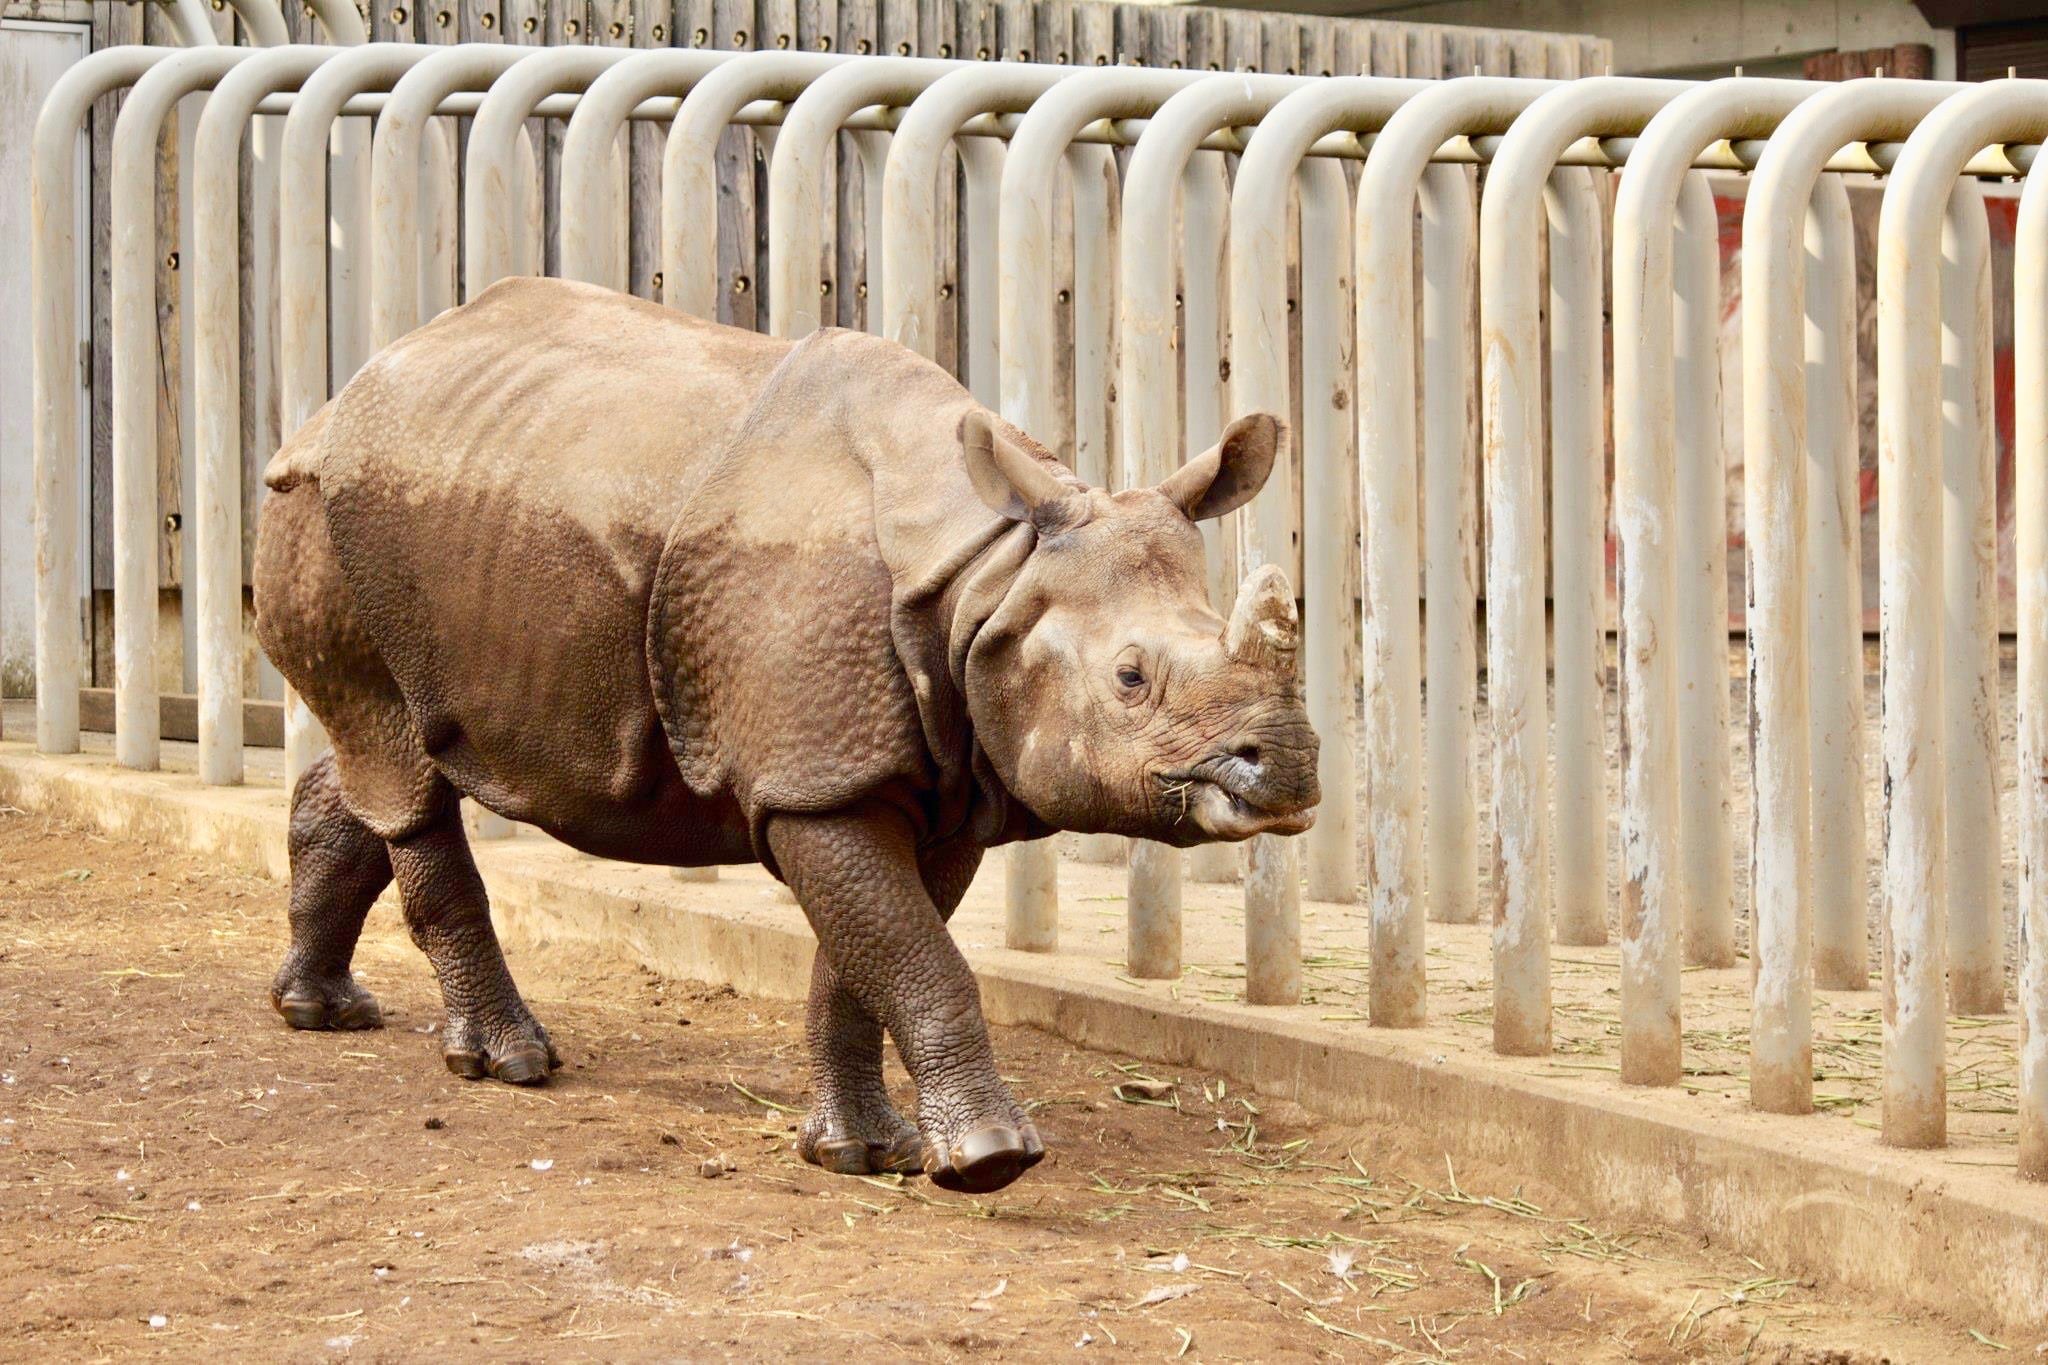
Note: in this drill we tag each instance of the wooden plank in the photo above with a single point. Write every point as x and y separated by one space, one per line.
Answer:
976 24
896 24
1205 39
612 24
1053 39
653 25
1016 30
1426 57
730 28
1244 41
1094 33
1282 45
481 21
1131 42
844 269
262 721
1388 51
1165 36
938 35
566 24
1319 56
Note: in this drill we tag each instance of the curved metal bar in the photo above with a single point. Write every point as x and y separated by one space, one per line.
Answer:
1707 870
1909 435
1822 710
342 20
1026 357
1659 863
395 162
264 20
53 284
491 165
796 178
1576 213
1976 900
215 563
1394 171
1525 179
689 175
1157 436
589 201
2030 498
195 25
910 249
132 194
1259 358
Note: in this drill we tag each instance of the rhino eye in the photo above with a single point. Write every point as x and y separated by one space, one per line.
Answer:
1130 677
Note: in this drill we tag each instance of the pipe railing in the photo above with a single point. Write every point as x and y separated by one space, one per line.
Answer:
1045 216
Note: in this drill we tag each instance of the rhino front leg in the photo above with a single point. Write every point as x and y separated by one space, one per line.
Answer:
490 1031
858 879
853 1128
339 868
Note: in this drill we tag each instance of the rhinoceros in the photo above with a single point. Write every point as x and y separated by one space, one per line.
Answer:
681 594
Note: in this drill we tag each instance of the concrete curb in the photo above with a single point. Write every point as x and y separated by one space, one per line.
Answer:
1800 1196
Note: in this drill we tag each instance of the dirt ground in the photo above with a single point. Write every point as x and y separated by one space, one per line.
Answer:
180 1175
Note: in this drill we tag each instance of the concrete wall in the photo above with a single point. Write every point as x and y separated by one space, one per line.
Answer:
1700 36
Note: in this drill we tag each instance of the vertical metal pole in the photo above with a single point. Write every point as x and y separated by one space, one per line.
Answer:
1025 287
1387 492
492 211
214 593
2030 499
1328 446
1909 474
1701 544
689 171
53 198
1840 887
1578 514
1451 525
1775 499
1204 208
796 169
1655 847
132 193
1095 200
1976 905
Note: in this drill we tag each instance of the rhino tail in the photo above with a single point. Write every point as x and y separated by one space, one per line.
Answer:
298 460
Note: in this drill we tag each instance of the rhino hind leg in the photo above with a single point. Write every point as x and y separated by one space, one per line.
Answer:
339 868
858 879
490 1031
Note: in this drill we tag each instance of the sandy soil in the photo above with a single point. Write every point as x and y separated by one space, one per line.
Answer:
180 1174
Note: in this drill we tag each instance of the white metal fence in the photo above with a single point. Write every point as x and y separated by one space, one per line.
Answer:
1167 266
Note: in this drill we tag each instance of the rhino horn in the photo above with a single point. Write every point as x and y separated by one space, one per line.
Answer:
1263 629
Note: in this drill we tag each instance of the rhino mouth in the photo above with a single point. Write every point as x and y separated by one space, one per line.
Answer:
1223 805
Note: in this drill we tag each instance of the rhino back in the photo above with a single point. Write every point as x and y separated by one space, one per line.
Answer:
498 485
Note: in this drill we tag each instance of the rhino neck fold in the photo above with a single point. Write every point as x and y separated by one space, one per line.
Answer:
942 627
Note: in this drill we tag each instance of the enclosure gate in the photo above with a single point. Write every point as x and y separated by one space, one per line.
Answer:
1125 255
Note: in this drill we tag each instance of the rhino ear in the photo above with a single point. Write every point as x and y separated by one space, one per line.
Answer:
1230 473
1008 477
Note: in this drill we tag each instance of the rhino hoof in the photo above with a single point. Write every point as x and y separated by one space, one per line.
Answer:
524 1061
985 1160
346 1006
855 1156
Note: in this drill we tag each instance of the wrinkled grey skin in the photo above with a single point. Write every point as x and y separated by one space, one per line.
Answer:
682 594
